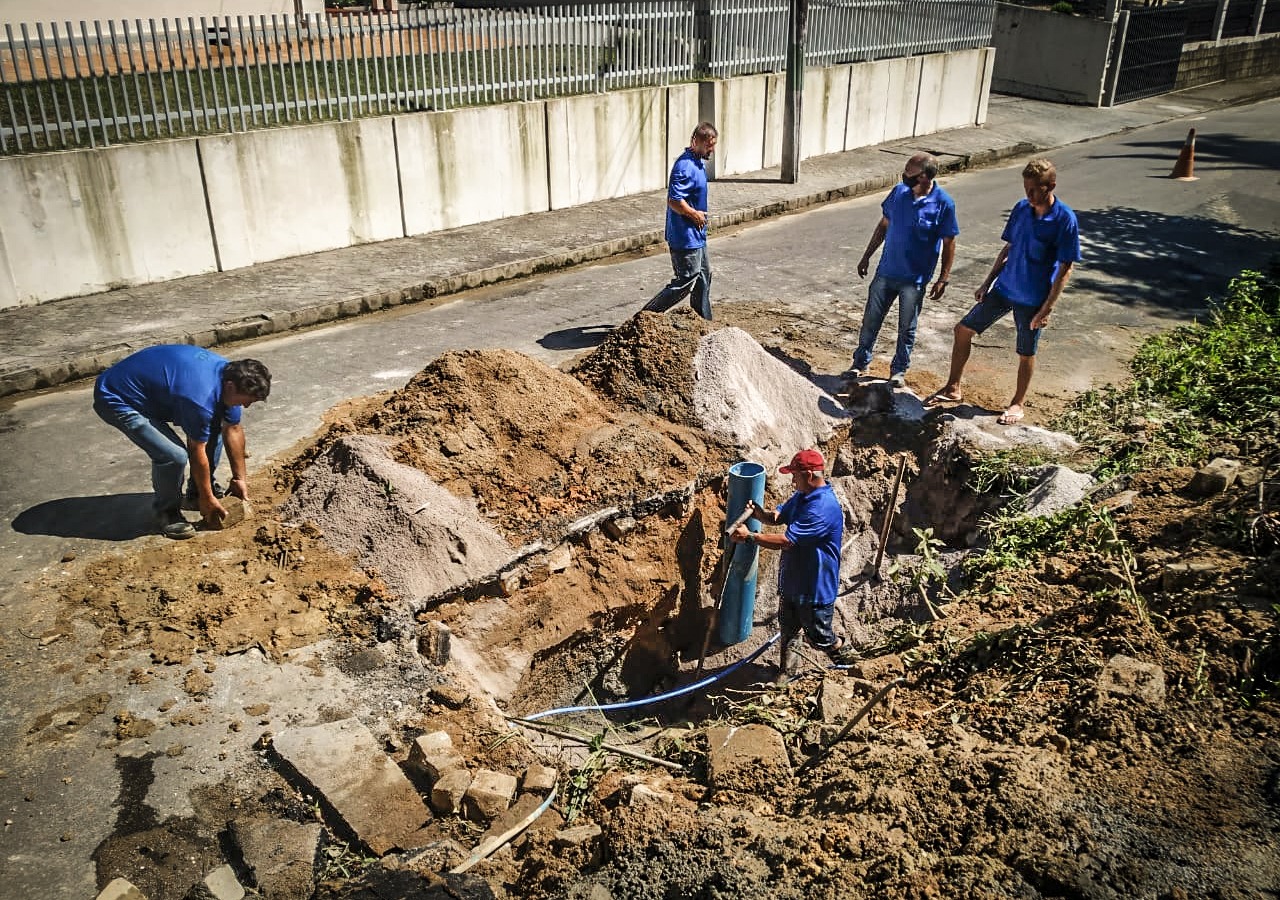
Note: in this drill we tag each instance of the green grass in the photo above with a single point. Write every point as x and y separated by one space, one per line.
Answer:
1197 386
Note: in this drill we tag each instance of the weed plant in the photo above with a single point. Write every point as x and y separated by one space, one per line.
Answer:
1198 385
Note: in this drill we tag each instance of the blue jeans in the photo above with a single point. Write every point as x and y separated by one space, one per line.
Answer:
796 614
161 443
692 276
880 297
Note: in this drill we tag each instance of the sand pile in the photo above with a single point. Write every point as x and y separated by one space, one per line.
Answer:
393 518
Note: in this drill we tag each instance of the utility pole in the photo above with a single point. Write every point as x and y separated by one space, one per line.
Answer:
797 26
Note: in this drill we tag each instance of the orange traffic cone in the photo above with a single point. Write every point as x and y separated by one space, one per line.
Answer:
1184 168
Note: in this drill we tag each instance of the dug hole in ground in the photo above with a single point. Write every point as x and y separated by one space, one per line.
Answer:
500 538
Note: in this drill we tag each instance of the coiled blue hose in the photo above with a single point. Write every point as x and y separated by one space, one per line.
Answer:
645 701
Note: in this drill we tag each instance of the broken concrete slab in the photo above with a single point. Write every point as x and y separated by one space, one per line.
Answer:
448 791
490 794
1214 478
343 762
539 779
220 884
1124 676
1058 488
752 759
279 854
120 889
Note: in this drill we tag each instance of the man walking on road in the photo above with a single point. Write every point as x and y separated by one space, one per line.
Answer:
687 227
201 393
809 572
917 224
1042 243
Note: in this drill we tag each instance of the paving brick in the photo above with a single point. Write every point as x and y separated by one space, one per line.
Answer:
450 695
1214 478
120 889
220 884
1129 677
344 764
751 759
280 855
434 763
539 779
490 794
577 836
237 511
448 791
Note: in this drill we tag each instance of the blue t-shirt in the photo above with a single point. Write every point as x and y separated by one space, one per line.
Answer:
688 183
917 226
810 567
1037 247
174 383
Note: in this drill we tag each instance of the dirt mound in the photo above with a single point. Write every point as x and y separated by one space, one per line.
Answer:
646 364
533 446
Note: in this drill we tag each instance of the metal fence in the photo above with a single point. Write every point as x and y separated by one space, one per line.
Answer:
89 84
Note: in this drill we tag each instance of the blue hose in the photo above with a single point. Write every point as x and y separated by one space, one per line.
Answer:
687 689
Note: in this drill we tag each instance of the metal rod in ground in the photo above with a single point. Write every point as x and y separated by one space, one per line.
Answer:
853 723
487 848
888 516
612 748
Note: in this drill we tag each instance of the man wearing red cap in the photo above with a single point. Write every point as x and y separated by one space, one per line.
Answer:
809 572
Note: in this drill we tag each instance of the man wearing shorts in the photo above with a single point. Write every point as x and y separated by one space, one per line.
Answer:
1042 242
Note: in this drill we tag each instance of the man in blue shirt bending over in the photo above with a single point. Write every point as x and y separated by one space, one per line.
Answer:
1042 243
809 572
687 227
917 224
146 393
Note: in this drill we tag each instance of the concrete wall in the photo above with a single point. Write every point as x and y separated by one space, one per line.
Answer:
84 222
87 221
606 145
266 204
1229 59
1050 56
472 165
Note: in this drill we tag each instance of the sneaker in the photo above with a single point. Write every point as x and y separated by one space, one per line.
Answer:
898 379
173 525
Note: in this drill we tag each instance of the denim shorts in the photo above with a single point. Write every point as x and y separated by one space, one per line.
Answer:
993 307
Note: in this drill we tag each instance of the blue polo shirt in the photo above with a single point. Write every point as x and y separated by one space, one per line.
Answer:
174 383
810 567
1037 247
917 226
688 183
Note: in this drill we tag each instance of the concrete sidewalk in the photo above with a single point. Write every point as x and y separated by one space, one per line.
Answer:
55 343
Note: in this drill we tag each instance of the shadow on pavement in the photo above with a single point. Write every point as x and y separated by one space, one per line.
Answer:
575 338
1219 151
1171 262
109 517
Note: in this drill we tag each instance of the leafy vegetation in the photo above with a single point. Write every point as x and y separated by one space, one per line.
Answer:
1196 386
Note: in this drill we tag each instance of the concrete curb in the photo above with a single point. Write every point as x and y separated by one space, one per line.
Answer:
91 361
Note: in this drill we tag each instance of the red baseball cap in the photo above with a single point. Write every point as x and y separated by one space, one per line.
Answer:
805 461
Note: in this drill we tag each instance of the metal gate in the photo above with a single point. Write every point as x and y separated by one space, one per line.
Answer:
1149 53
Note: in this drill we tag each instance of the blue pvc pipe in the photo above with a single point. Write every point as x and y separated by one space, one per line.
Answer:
738 600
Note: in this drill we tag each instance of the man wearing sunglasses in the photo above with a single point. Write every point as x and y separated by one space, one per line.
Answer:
917 225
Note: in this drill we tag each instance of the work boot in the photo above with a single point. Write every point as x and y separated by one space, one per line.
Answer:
172 525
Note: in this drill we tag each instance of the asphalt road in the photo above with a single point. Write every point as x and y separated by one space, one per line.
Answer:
1154 250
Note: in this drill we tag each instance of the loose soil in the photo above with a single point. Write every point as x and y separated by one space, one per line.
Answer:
1009 764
